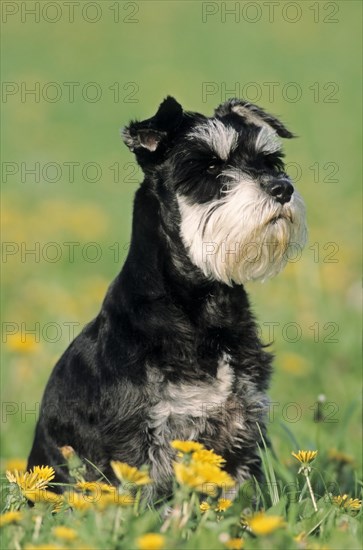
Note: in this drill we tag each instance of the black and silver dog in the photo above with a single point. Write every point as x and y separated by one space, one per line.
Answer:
174 352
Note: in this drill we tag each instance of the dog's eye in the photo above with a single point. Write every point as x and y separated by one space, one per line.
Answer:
274 161
213 168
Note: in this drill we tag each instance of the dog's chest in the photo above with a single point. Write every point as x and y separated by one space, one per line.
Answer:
207 411
194 400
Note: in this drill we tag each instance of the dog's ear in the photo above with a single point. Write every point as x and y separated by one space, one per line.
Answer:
151 134
252 114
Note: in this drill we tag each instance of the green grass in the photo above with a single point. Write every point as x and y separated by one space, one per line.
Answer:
295 516
170 50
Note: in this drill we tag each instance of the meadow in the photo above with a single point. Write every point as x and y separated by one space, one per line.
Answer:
71 80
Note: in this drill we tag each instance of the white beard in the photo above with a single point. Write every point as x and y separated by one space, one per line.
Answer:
233 240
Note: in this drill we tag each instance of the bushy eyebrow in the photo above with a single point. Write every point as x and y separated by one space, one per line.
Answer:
221 139
268 141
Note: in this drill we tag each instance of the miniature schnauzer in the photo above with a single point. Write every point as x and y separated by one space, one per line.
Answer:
174 352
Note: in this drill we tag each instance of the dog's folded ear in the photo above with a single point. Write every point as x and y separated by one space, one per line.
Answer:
253 115
151 134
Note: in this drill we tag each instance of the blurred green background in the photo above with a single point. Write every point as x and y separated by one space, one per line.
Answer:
299 60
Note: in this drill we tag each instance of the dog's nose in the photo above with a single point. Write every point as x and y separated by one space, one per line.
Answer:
281 190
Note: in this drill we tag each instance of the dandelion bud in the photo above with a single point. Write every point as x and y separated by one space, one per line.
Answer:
67 452
75 465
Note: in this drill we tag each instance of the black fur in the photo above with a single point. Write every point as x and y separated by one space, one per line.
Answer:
161 315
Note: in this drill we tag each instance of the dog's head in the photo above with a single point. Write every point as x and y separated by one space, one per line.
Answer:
238 213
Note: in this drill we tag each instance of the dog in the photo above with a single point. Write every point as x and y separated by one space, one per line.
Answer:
174 352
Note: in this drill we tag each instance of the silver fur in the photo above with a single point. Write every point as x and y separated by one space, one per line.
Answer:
245 235
188 411
268 140
221 139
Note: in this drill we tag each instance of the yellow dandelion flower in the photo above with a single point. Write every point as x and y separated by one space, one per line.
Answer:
305 457
42 495
129 474
353 504
341 457
22 344
15 464
186 446
78 501
65 533
340 500
14 476
213 474
234 544
45 472
95 487
198 475
151 541
223 504
37 478
186 474
204 506
114 499
294 364
262 524
204 455
348 503
10 517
